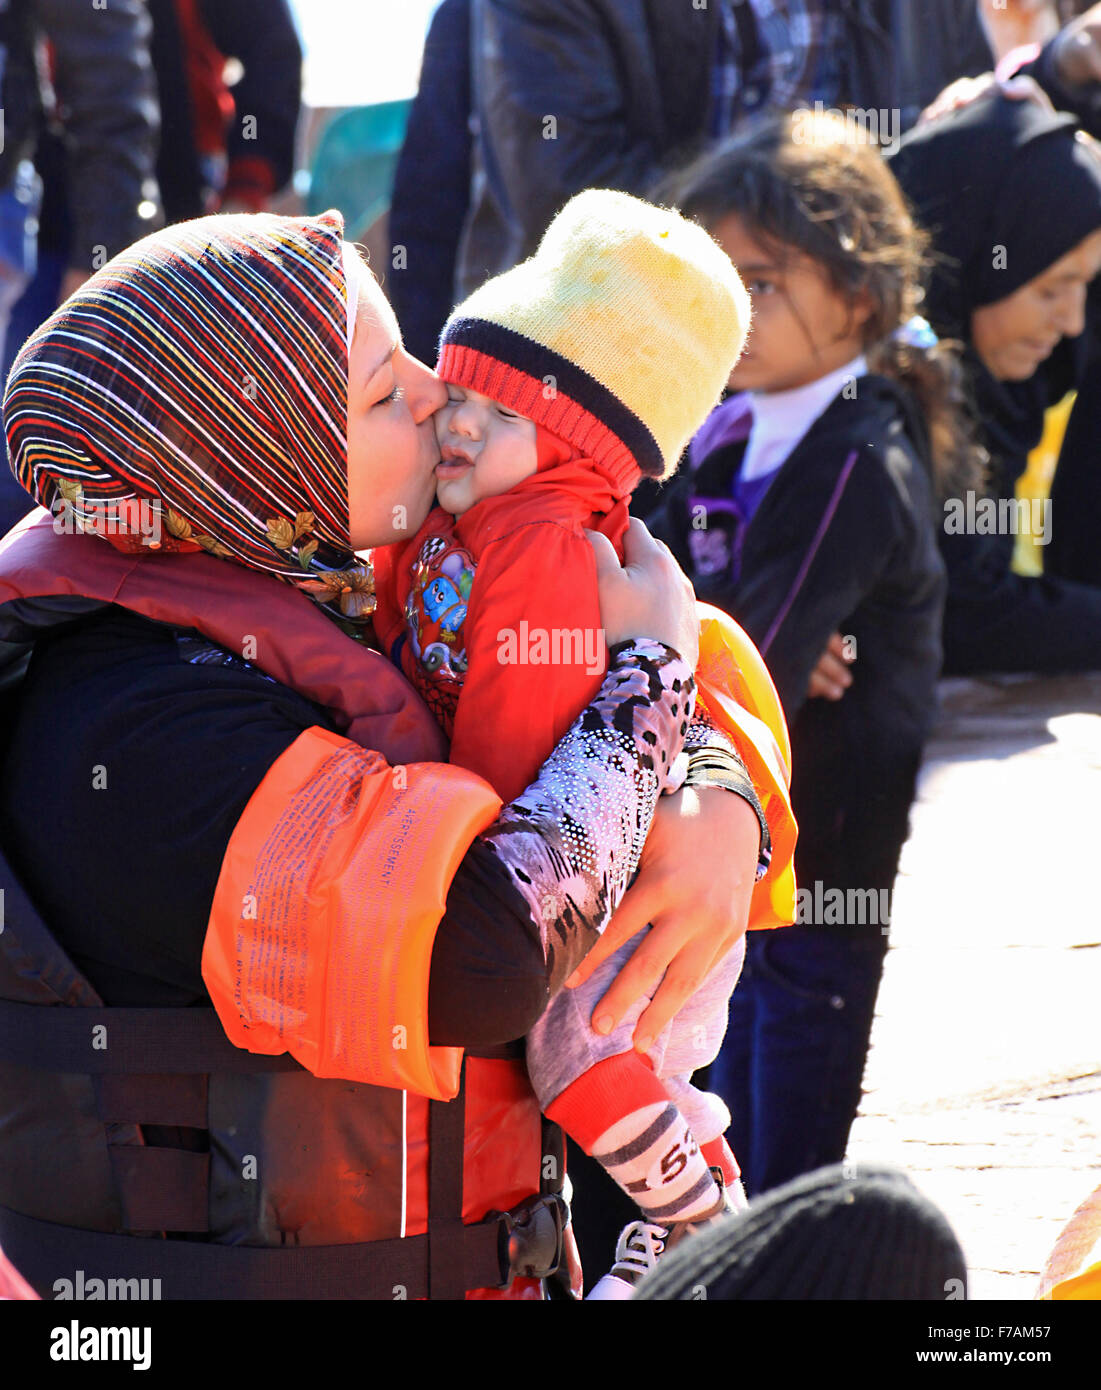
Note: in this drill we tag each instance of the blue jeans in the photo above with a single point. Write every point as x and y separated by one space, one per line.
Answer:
793 1057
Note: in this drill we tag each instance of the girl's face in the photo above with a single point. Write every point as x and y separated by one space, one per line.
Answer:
802 327
1014 335
392 449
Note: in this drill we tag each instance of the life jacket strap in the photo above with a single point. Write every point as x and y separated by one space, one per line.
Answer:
128 1041
446 1232
45 1252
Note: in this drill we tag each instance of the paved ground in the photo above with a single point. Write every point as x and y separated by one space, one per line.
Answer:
984 1080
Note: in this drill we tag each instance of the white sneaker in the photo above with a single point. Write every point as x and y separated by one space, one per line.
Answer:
640 1244
636 1253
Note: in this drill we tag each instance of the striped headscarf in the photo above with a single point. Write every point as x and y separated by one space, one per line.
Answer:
193 395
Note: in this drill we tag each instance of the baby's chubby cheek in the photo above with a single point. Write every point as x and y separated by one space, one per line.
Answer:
439 423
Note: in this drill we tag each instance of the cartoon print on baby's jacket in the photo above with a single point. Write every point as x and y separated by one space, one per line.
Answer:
442 577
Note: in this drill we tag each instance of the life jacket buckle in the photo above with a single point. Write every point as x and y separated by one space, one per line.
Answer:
533 1237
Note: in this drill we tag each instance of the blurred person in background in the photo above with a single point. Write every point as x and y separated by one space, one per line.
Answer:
225 149
984 167
77 159
220 148
615 92
78 92
432 183
1013 284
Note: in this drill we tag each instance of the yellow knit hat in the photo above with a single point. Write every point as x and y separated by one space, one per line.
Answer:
617 335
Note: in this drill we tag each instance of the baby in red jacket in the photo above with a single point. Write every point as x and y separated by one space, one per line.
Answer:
569 377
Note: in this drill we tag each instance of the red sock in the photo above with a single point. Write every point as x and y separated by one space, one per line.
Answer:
719 1154
607 1092
621 1114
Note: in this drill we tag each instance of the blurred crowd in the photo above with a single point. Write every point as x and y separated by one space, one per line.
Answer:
884 174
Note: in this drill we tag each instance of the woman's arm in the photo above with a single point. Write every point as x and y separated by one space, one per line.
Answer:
573 839
489 968
714 762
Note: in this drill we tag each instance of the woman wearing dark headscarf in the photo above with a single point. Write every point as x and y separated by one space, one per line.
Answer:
1012 195
214 791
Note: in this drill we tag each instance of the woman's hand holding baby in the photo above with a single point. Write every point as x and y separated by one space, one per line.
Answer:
695 880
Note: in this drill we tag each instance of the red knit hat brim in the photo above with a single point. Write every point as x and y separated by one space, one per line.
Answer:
545 403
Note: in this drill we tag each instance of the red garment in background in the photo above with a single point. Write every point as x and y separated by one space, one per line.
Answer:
249 180
212 106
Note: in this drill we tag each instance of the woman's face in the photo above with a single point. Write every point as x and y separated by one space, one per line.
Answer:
1014 335
392 449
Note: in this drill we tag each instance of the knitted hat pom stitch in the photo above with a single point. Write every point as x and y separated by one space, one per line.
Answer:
618 334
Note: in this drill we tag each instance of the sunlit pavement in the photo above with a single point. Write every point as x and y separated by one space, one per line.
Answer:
984 1080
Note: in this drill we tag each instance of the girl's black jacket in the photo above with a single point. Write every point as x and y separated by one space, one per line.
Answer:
844 540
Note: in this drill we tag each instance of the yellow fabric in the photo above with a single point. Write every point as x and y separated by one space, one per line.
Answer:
737 691
1073 1269
643 300
1034 484
1083 1287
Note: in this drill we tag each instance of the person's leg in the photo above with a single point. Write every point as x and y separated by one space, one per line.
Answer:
611 1102
695 1037
730 1075
601 1208
816 994
693 1040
